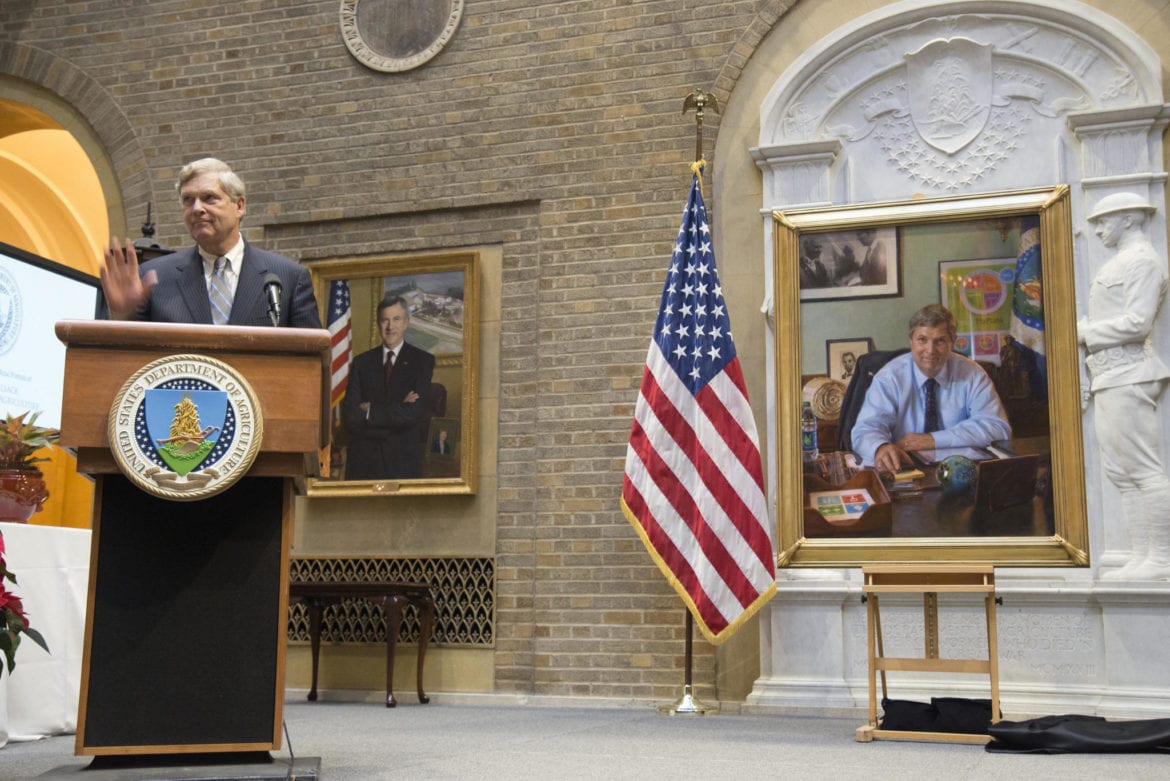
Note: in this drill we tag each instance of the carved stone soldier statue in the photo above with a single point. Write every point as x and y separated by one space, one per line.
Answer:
1128 378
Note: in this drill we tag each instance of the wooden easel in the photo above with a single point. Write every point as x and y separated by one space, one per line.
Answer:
929 581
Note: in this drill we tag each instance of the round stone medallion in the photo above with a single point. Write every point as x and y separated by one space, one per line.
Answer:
398 35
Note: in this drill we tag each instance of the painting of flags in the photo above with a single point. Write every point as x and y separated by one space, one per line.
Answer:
1028 307
693 486
338 323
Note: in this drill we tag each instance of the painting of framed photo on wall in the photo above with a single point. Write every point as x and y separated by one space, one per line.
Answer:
847 264
444 437
404 384
443 447
841 356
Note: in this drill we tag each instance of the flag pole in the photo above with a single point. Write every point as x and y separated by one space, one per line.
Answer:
687 704
699 101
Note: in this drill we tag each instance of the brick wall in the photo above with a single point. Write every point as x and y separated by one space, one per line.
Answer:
550 128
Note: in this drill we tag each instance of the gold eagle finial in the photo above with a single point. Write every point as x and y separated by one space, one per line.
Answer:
699 101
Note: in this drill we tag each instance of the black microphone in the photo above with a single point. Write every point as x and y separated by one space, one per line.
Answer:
272 289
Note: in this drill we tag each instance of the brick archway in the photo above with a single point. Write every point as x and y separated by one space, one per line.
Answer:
84 108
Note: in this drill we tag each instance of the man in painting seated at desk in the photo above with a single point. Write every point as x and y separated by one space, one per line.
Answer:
928 398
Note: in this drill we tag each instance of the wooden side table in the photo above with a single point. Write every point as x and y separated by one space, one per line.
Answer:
929 581
391 598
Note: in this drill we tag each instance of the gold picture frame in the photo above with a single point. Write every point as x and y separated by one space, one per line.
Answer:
443 293
1067 544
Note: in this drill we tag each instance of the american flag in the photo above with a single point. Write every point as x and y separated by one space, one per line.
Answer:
694 485
338 325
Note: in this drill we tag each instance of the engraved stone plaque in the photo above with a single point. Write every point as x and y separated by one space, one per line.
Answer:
397 35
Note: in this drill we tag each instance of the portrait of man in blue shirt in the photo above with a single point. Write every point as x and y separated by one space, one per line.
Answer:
929 398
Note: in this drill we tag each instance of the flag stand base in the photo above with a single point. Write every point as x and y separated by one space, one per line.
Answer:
688 706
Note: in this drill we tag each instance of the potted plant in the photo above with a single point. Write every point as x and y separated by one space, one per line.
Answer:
13 621
22 486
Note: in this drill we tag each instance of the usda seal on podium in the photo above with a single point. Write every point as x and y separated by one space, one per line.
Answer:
185 427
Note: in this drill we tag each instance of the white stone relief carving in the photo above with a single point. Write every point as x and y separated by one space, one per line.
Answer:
949 92
1122 86
946 118
1076 58
799 121
1019 36
1128 379
1116 151
1039 47
992 87
918 160
802 177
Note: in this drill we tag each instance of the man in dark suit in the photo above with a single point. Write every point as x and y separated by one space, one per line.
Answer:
813 273
385 405
218 281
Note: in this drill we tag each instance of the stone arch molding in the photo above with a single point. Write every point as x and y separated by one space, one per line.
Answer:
960 97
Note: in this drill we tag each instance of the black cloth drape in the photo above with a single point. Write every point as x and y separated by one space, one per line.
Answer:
1079 734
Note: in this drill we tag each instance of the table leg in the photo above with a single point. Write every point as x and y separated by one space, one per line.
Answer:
392 612
315 608
426 628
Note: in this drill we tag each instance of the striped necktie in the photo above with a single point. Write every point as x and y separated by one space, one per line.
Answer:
933 423
219 292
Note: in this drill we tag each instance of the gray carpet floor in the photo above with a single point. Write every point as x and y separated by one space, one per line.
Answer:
460 740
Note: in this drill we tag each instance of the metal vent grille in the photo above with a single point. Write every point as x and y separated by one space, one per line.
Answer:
464 591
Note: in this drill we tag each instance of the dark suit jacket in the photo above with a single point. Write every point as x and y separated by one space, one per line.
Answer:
388 444
867 366
181 293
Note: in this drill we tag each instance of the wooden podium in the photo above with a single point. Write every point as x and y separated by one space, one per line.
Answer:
187 608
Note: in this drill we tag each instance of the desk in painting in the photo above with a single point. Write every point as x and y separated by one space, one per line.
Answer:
922 508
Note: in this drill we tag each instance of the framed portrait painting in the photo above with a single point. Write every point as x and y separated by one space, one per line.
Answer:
1002 263
404 385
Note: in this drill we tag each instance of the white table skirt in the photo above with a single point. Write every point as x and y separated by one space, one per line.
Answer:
51 565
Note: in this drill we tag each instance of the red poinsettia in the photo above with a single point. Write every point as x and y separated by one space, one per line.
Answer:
13 621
